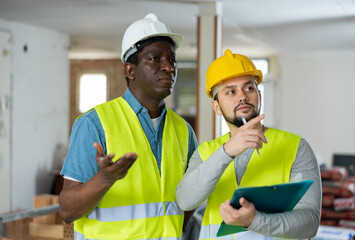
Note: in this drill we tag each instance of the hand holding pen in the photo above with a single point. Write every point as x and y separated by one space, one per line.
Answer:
246 136
245 122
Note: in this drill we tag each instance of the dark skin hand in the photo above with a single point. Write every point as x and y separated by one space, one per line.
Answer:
113 171
187 217
77 199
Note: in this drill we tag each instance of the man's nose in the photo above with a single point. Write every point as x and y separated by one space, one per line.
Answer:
242 97
167 66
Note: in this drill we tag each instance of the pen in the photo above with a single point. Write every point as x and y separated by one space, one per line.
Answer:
245 122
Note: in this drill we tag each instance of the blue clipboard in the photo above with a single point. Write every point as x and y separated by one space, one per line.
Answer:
268 199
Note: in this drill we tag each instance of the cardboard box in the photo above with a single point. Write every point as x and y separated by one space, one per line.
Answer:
53 231
44 200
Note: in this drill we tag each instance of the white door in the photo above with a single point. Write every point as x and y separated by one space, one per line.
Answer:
5 121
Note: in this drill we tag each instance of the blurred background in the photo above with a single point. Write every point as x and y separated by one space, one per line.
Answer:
58 58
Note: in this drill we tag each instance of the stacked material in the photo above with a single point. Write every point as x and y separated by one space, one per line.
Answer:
338 203
46 227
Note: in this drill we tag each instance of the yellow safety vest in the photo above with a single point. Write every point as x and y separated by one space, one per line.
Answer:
273 166
142 205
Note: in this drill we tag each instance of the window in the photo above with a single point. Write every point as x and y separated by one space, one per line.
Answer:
262 64
92 91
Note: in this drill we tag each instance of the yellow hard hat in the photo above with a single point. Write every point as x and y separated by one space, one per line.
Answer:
228 66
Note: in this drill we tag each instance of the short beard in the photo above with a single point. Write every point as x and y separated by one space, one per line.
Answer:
237 121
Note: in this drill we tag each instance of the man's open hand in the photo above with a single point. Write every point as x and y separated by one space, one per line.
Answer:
113 171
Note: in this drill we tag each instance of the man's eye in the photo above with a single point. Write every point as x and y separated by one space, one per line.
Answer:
250 89
154 58
230 92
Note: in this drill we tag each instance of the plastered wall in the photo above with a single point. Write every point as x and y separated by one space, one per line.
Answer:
39 110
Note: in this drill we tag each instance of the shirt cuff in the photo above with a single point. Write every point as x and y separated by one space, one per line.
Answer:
256 220
223 155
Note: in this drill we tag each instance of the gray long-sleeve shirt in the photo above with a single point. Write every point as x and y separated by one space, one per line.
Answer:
201 178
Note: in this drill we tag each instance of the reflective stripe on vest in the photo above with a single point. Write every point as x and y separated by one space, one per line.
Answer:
142 205
211 230
79 236
138 211
273 166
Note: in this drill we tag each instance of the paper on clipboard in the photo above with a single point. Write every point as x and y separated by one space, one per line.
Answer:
268 199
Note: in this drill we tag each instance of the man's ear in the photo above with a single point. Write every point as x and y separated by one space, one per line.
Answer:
216 108
129 70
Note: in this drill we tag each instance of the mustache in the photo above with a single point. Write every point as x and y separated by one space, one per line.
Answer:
243 103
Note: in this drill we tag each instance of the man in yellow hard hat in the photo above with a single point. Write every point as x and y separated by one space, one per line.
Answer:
123 188
249 155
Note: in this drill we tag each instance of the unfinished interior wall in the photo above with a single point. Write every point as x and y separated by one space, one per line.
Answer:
40 109
5 119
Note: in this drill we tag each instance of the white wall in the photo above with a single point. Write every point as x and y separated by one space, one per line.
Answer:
5 118
317 100
40 110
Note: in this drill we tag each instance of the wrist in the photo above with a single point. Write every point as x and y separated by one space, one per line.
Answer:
254 221
103 180
226 150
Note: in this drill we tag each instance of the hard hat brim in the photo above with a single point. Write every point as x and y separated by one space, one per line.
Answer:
175 37
256 73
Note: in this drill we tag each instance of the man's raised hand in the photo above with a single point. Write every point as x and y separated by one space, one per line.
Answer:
113 171
247 136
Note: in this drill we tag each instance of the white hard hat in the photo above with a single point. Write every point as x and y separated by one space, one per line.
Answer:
143 29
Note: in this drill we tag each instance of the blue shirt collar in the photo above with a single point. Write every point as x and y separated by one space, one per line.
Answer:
135 104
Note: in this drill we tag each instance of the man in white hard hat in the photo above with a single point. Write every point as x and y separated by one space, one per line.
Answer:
124 186
250 155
